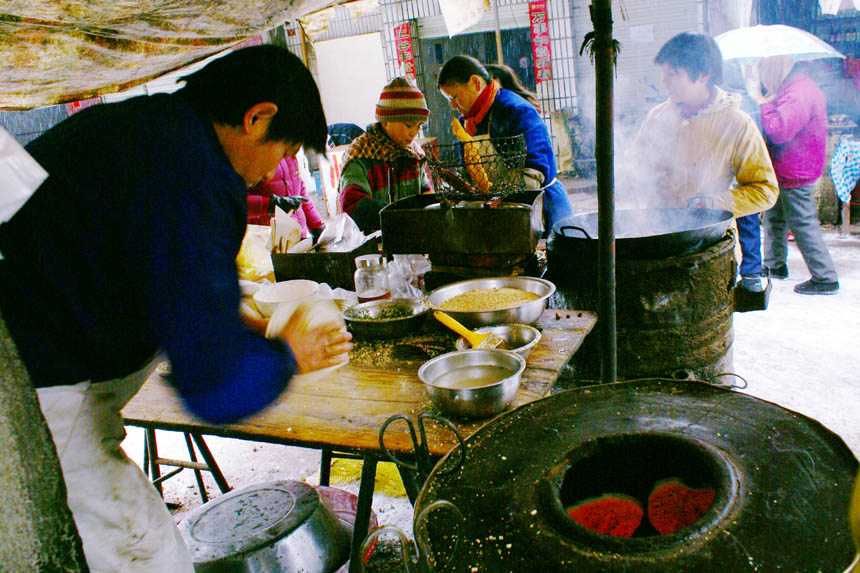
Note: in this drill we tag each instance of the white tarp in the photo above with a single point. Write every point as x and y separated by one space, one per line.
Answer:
56 52
836 6
462 14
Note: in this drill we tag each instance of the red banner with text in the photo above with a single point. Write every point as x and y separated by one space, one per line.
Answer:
541 53
403 43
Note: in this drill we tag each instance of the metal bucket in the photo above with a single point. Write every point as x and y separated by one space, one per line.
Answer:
672 314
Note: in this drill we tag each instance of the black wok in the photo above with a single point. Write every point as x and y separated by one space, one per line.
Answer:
648 233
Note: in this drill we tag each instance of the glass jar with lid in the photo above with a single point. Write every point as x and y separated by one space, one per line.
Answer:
371 278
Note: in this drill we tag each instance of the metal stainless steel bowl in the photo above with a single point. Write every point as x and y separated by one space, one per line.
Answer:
525 313
272 526
370 325
473 383
519 338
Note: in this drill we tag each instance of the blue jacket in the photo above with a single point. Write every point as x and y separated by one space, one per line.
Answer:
512 115
129 246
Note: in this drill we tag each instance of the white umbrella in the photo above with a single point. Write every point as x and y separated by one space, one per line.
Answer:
756 42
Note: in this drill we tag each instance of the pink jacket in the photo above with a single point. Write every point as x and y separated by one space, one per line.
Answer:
795 127
286 181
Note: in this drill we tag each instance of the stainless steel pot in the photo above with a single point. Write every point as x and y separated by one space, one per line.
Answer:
526 313
273 526
473 383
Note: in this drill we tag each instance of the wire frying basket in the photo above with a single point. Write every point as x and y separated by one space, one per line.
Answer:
481 169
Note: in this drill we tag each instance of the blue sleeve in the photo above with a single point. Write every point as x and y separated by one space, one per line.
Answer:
516 116
195 220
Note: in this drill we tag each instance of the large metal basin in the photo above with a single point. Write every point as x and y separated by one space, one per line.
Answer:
272 526
526 313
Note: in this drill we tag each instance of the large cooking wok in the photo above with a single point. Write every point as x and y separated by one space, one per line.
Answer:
649 233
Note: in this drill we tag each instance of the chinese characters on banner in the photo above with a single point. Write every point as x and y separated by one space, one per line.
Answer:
403 44
540 41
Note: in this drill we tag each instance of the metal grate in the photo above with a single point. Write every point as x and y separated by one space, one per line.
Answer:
482 169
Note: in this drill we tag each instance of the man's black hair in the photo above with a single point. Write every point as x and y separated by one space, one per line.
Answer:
459 69
228 87
697 54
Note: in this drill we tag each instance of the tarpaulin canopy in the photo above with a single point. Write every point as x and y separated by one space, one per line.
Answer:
57 51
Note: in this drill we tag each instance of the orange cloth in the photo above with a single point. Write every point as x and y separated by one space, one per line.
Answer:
480 108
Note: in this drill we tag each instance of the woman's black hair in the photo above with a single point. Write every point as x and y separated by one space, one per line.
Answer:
508 79
459 69
228 87
697 54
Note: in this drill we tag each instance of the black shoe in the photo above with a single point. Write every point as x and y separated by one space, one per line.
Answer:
813 286
780 272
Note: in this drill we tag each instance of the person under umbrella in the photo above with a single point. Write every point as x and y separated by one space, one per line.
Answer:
794 121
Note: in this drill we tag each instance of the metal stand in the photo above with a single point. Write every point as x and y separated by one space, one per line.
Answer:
152 463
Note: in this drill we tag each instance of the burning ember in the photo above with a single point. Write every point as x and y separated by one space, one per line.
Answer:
671 506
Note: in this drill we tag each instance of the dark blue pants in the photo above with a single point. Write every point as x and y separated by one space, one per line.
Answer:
749 236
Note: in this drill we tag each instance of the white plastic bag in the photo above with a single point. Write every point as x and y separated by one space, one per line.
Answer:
406 276
20 175
341 235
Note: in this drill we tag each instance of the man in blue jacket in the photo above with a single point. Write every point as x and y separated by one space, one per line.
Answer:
129 248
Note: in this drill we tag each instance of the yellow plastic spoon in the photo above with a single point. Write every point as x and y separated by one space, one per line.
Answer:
477 340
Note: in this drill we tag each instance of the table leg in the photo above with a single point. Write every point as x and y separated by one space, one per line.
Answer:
197 473
362 511
325 466
410 483
154 468
210 461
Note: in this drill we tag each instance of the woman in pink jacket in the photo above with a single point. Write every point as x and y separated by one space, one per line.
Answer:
286 183
794 122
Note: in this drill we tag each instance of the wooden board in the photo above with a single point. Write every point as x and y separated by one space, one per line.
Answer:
344 410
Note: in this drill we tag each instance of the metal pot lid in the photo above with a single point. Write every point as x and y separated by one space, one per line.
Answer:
247 519
778 476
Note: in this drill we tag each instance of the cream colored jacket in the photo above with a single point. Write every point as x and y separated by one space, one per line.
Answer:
718 153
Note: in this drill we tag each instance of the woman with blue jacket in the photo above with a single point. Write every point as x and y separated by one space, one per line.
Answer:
489 110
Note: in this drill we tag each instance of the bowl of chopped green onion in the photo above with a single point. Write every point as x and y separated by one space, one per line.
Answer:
385 318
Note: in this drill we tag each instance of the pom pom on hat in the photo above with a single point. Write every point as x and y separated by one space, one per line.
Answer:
402 101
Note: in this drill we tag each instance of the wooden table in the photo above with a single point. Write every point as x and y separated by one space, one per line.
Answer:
342 411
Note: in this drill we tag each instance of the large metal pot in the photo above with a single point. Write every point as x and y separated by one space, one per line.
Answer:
648 233
273 526
526 313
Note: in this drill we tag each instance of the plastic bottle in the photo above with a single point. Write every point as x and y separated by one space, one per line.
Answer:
371 278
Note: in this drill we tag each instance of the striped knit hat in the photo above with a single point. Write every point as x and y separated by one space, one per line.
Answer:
401 101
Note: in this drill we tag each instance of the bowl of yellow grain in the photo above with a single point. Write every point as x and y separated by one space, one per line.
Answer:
496 300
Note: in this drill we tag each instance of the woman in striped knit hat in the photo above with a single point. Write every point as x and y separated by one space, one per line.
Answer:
386 163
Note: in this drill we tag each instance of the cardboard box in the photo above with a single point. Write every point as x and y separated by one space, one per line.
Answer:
334 269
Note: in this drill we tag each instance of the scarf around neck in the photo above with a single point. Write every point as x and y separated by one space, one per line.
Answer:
480 108
375 144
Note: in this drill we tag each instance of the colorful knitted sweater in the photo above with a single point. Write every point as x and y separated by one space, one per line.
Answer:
377 171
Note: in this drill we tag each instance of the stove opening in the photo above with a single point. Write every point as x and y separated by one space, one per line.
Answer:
639 485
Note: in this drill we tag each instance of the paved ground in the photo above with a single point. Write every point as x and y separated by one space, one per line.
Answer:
801 353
